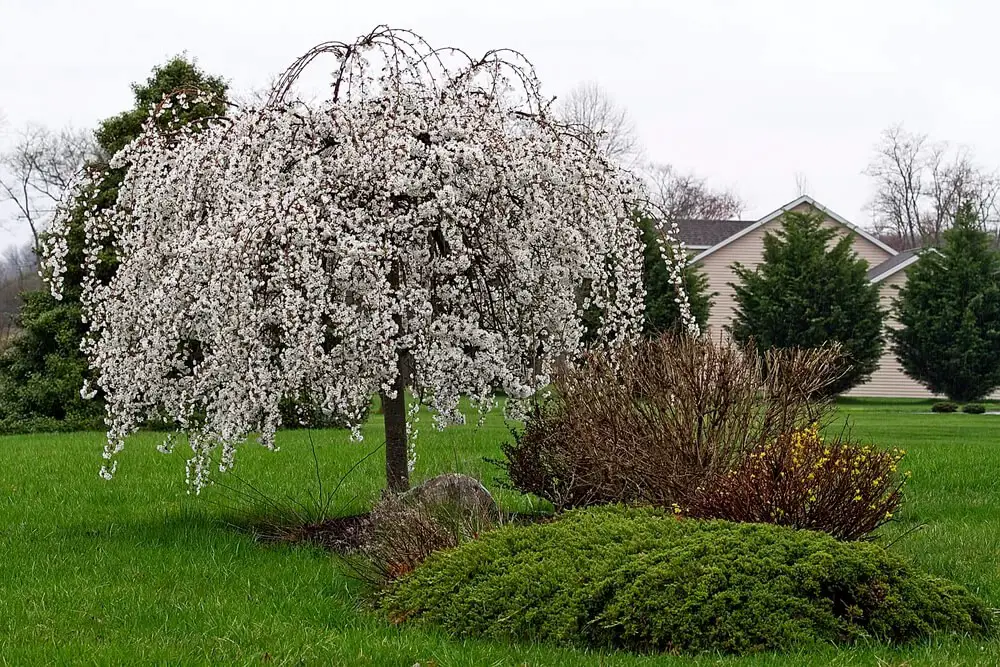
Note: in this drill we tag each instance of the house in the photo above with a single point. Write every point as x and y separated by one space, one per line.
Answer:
715 245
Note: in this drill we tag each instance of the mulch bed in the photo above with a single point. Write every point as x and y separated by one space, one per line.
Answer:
350 534
344 535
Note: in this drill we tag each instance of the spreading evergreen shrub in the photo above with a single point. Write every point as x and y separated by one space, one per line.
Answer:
973 409
644 580
944 406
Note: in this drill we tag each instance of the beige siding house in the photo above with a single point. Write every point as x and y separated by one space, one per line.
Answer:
716 245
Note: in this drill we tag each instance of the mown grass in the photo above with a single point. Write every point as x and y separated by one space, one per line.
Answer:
136 571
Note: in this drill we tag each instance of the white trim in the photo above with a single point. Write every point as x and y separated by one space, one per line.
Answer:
896 269
804 199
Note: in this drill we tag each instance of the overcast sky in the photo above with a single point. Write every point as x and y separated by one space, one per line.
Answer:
744 93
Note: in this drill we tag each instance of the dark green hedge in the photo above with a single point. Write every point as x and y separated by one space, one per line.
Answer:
643 580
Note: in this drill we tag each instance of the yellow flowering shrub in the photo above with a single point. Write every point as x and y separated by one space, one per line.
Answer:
842 488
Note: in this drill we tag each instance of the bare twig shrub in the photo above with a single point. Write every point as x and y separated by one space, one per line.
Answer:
802 481
406 532
655 422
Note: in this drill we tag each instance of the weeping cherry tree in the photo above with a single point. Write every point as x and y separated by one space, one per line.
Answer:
430 226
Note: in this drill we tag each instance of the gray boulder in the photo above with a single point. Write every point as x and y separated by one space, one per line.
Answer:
457 492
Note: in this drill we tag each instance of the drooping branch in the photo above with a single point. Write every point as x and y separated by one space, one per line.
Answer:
430 226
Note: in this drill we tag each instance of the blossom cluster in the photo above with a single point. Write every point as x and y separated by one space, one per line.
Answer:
427 211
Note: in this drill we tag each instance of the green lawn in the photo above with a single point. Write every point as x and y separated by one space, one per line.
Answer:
137 571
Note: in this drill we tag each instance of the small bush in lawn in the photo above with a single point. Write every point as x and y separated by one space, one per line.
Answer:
840 488
944 406
405 533
640 579
653 423
973 409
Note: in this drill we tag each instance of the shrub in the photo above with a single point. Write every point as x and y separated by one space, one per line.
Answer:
948 312
42 370
801 481
641 580
944 406
406 531
656 422
973 409
811 288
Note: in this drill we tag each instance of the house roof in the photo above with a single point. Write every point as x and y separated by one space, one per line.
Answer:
701 234
804 199
896 264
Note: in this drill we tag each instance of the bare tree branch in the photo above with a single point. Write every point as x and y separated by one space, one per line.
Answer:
18 274
591 107
801 184
688 197
920 185
36 171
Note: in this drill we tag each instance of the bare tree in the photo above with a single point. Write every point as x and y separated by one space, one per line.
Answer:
18 274
919 186
38 169
592 108
801 184
688 197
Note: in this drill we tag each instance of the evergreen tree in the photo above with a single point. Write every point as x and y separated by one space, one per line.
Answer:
949 314
810 290
42 370
661 310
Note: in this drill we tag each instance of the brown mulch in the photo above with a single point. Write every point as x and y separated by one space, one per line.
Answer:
350 534
344 535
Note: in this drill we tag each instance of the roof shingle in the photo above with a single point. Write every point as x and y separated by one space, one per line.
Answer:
706 233
891 263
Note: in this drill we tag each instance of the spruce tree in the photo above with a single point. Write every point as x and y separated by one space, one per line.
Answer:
662 313
811 289
949 314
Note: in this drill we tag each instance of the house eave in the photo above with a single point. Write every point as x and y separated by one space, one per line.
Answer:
804 199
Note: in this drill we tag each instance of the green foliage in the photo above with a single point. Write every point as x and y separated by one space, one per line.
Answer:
662 313
973 409
80 553
808 293
642 580
176 74
944 406
42 370
949 315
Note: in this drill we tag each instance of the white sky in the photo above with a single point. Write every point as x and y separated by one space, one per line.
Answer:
744 93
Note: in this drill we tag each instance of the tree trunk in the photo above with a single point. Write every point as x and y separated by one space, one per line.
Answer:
397 469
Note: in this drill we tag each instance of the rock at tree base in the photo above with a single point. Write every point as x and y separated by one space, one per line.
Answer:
455 490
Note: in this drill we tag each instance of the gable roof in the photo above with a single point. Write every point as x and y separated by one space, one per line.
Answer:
892 265
804 199
701 234
896 264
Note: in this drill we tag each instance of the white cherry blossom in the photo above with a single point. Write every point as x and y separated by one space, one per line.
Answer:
430 225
